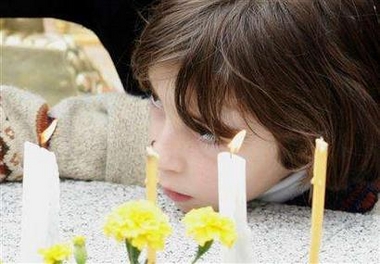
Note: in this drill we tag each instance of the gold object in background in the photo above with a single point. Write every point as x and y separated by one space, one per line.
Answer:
80 34
45 62
22 25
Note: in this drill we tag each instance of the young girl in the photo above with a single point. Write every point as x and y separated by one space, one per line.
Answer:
286 71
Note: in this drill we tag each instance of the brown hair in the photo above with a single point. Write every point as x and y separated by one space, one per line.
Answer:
302 68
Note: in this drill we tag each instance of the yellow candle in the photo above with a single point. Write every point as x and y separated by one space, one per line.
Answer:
319 184
151 188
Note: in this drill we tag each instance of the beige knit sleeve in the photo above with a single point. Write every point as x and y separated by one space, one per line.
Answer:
101 137
23 116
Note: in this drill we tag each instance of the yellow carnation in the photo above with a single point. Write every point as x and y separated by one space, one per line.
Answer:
141 223
55 254
204 225
80 252
79 241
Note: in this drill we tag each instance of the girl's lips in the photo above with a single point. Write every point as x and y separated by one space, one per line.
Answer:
176 197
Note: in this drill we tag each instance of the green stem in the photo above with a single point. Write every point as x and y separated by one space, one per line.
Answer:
133 253
80 254
202 250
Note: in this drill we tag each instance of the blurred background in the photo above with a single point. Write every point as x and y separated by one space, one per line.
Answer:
54 58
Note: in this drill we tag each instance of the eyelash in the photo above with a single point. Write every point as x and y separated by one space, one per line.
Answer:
206 137
155 101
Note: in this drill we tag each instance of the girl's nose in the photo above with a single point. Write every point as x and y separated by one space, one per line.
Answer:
169 145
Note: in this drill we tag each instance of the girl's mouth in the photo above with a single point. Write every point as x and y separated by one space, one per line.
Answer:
176 197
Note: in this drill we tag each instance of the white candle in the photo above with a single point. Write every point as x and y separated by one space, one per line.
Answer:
233 200
40 202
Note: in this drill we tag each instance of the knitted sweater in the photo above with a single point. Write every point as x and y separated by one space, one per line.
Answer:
98 137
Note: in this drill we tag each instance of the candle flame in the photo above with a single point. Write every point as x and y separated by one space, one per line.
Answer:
48 132
151 152
237 141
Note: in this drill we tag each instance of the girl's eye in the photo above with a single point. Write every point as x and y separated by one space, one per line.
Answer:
208 138
156 102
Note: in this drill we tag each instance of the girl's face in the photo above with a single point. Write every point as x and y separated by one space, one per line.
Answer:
188 160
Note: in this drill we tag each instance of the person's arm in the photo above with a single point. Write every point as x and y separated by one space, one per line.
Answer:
101 137
98 137
117 23
23 116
